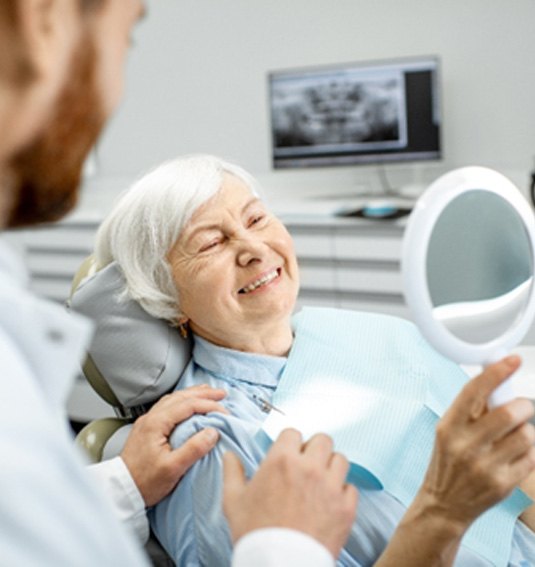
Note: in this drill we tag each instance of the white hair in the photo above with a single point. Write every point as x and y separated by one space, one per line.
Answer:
147 220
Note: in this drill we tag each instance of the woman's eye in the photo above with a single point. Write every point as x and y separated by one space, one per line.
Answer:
256 219
209 245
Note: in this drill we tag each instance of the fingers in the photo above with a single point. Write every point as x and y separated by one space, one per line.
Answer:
502 420
233 477
289 440
339 466
522 467
319 448
352 498
475 394
202 391
176 409
196 447
515 445
471 403
182 411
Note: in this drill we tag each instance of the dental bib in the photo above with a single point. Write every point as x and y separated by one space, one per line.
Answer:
378 389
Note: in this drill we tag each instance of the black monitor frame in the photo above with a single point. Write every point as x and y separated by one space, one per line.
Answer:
351 96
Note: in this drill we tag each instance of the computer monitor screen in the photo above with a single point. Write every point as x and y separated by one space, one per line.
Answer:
358 113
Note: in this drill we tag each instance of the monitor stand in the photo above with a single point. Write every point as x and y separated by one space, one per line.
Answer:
388 203
406 194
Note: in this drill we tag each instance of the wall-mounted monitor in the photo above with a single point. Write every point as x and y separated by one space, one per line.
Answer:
359 113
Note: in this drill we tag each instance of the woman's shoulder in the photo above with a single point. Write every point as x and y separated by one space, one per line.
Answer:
239 426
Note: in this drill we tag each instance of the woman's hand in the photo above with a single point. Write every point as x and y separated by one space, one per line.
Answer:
297 486
480 455
155 467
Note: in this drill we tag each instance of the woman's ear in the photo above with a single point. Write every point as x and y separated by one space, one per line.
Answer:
183 327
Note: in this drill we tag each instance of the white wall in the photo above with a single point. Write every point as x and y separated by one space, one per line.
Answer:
196 81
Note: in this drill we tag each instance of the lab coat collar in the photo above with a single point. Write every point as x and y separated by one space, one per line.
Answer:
11 264
51 341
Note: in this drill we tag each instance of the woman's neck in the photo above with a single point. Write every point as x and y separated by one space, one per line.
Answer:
273 340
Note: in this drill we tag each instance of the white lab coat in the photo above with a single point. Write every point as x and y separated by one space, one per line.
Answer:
51 513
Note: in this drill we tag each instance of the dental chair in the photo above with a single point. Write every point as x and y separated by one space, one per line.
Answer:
132 361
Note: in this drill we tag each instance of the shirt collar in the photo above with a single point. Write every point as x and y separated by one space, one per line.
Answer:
232 365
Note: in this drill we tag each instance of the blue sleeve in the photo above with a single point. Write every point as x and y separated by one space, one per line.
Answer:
523 549
190 523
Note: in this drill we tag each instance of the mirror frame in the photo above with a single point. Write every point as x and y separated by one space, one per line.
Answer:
414 255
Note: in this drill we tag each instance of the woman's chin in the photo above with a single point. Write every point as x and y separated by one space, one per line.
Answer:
271 309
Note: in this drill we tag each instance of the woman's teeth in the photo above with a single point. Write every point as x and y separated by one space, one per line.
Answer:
262 281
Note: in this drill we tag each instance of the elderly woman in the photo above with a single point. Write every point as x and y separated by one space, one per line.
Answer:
199 248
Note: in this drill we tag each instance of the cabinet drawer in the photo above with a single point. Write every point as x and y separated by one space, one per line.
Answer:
61 239
317 275
316 244
348 247
56 263
350 278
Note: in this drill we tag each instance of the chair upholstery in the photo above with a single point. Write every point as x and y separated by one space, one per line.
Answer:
134 358
128 373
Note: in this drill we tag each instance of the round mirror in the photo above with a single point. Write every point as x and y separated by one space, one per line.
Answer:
468 265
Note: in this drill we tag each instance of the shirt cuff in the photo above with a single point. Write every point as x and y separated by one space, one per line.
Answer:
280 547
114 477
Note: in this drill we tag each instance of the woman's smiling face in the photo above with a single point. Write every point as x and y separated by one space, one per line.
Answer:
235 269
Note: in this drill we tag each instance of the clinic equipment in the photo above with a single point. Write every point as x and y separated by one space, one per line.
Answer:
467 266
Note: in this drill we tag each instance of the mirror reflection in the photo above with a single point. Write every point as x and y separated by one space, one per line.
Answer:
479 266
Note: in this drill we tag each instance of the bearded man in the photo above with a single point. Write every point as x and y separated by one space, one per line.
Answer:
61 76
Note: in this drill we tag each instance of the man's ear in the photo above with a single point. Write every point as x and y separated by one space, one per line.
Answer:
50 29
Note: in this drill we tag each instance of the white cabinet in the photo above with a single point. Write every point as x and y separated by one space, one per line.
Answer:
349 263
53 254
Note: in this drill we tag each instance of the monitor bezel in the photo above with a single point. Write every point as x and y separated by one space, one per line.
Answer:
363 159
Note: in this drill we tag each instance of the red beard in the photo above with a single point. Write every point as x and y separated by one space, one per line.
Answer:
47 173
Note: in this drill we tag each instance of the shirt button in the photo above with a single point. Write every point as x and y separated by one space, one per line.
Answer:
54 335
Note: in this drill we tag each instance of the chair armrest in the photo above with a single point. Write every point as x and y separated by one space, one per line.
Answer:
94 436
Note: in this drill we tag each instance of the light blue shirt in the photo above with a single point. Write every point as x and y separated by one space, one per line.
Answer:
190 522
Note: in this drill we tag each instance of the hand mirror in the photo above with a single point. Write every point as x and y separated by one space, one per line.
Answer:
468 265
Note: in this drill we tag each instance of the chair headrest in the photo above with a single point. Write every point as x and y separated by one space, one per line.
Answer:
138 356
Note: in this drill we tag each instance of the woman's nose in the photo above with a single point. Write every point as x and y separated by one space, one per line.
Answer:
250 249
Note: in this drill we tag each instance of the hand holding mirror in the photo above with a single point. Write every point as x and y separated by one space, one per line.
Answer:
468 263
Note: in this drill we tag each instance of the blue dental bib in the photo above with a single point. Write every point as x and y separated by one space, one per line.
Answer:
374 384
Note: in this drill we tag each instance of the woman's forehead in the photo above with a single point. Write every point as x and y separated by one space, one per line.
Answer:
233 197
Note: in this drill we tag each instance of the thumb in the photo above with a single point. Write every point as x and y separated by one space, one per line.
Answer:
473 399
233 476
495 374
195 448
